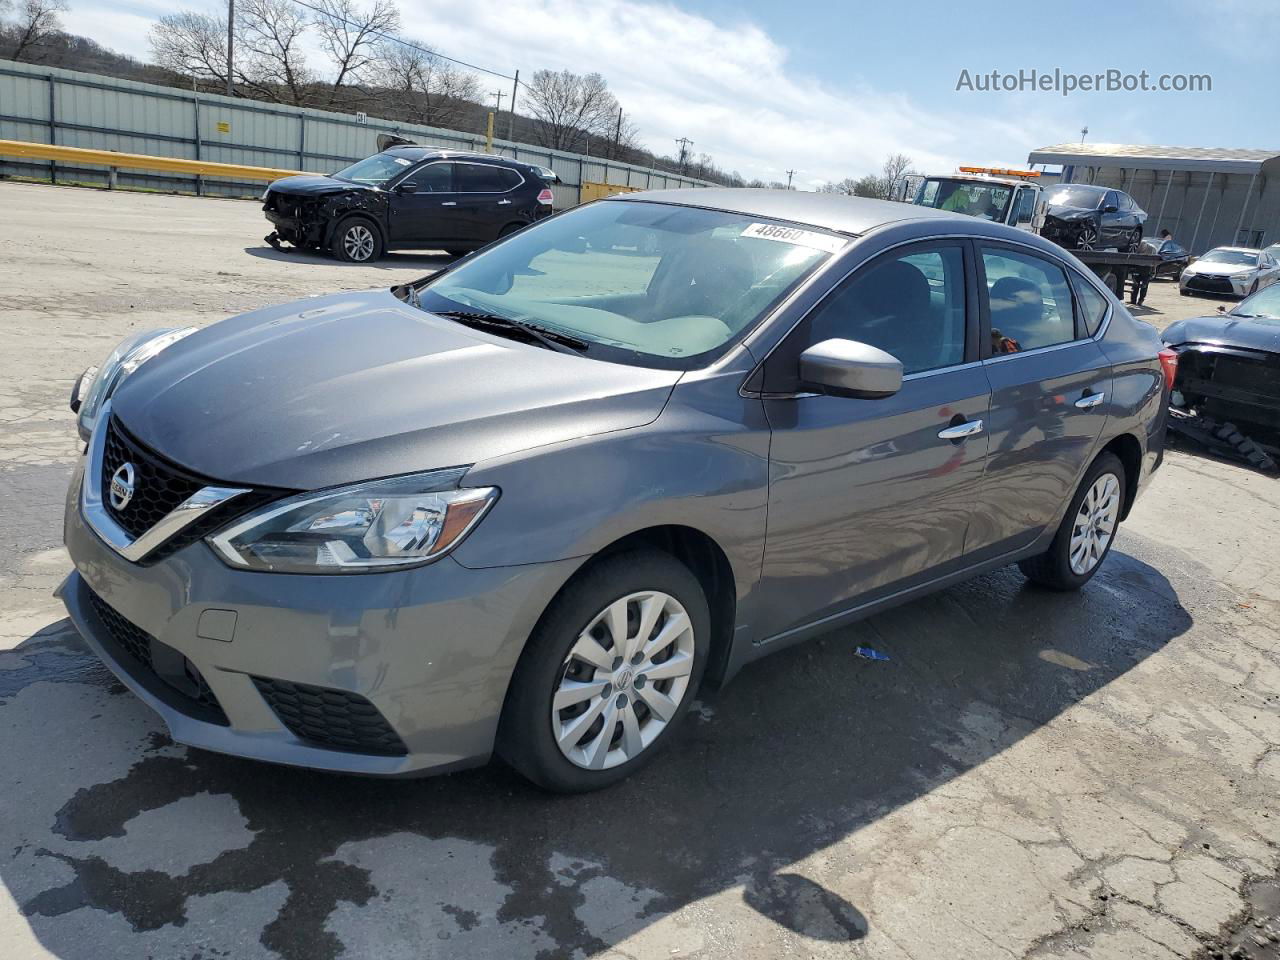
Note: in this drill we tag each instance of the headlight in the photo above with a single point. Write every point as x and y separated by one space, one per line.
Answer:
95 386
379 525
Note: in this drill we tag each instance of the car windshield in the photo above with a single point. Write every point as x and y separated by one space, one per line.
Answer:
645 283
1073 195
987 200
1235 258
1263 305
375 170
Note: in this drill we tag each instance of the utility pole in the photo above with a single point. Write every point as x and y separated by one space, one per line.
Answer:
1084 132
497 95
617 134
231 42
685 144
790 174
511 119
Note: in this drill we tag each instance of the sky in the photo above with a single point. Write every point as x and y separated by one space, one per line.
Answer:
828 89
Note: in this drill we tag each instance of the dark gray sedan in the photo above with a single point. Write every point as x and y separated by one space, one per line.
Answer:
532 503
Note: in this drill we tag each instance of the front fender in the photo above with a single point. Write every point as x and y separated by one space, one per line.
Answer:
703 463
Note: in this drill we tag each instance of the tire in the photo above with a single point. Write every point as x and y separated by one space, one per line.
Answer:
1253 289
1054 568
1185 293
1087 237
529 732
1135 241
509 229
357 240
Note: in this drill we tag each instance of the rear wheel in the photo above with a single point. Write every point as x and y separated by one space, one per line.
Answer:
609 673
1135 241
1086 533
509 229
357 240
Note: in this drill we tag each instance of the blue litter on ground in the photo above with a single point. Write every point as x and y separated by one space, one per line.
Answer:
869 654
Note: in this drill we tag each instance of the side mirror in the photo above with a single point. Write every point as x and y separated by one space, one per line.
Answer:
1110 208
407 187
847 368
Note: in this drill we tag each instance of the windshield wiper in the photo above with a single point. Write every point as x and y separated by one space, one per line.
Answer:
551 339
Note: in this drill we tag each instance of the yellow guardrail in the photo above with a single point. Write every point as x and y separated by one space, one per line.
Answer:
138 161
595 191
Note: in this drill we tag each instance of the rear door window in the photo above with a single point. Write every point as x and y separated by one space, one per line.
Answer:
1028 301
483 178
1093 305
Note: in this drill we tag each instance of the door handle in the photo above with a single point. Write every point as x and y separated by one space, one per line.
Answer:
504 203
1090 400
449 203
961 430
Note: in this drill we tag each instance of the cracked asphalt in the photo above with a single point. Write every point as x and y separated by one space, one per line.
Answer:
1029 775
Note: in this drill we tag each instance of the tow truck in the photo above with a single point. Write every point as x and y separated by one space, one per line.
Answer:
1016 198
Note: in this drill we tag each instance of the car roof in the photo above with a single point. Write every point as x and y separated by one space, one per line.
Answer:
831 211
1095 187
1237 249
439 153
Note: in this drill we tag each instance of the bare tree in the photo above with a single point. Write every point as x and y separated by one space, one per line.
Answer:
567 105
352 37
192 44
270 58
37 23
848 186
427 89
896 165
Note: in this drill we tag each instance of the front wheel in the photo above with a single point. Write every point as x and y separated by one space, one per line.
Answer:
1086 533
609 673
1087 238
357 241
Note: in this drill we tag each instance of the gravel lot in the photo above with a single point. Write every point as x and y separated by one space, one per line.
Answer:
1029 775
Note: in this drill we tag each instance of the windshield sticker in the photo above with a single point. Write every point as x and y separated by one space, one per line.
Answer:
401 160
801 238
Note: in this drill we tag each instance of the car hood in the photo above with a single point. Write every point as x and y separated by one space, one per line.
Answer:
308 185
1220 269
1068 213
359 385
1227 331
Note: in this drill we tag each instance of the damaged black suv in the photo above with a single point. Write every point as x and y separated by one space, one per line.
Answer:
408 197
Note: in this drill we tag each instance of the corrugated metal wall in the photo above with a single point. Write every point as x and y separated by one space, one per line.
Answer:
47 105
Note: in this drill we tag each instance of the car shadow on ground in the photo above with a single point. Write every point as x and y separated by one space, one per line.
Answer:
431 259
800 752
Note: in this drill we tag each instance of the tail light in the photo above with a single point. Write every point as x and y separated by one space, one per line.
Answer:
1169 364
546 197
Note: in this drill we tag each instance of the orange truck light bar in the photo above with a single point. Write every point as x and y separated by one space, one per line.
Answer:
999 171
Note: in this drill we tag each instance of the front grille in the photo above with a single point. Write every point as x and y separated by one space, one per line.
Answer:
1252 375
158 487
1209 283
330 718
140 647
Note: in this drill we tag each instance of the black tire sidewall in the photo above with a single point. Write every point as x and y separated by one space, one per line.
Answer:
339 249
1054 570
525 737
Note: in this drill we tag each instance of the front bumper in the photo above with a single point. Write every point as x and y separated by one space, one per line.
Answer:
1224 285
431 649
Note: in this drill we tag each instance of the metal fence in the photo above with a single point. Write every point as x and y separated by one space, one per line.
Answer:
69 108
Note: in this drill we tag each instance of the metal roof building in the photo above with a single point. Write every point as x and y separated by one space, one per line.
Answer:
1206 196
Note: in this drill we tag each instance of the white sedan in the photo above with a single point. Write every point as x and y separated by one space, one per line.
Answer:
1235 271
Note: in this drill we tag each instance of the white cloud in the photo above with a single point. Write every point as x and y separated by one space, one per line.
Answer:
728 87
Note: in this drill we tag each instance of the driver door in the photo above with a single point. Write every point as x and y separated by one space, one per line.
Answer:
869 497
423 205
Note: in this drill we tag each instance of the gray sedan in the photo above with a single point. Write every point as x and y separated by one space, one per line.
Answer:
533 503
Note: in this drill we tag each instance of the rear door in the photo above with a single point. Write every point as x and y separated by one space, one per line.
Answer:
427 212
1050 393
867 497
486 199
